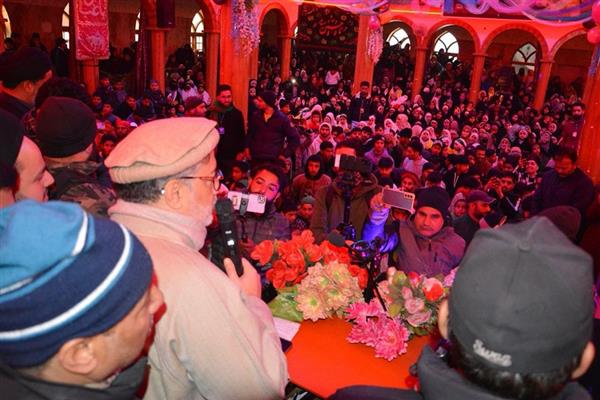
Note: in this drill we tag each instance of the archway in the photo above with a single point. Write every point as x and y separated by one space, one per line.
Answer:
514 56
275 43
572 59
397 60
450 46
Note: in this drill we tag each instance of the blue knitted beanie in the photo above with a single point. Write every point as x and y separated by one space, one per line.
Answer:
64 274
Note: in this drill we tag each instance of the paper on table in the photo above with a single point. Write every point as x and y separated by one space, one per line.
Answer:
286 329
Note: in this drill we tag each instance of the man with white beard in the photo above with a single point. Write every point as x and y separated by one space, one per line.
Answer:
216 339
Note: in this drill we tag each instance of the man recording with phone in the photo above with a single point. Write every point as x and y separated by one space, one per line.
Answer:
425 243
344 205
256 218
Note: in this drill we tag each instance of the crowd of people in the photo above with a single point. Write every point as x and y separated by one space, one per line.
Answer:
146 171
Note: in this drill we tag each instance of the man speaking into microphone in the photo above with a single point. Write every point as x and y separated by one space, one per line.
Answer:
216 339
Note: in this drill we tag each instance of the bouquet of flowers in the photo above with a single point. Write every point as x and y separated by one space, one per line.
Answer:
327 290
412 306
329 285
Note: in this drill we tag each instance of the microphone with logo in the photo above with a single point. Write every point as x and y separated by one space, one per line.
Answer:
226 218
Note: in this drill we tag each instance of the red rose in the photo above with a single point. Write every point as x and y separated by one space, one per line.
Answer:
433 289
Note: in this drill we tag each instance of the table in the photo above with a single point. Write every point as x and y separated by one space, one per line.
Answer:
322 361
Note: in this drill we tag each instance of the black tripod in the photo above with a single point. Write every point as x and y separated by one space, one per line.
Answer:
369 255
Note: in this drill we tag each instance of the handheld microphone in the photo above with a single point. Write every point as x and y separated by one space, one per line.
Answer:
226 218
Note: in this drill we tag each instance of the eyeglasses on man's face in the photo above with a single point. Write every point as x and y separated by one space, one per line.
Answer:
216 179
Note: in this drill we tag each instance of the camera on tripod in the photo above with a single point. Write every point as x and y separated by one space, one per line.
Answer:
348 166
350 163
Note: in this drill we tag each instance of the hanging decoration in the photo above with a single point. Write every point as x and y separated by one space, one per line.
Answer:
550 12
245 26
375 39
91 29
593 35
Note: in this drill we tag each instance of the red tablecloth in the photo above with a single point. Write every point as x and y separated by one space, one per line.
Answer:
322 361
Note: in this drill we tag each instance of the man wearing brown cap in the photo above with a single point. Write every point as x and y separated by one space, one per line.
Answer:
22 74
216 339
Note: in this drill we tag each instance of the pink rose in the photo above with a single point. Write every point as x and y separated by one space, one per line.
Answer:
419 319
406 293
414 305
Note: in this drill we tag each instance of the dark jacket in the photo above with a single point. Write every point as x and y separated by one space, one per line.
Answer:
465 227
78 183
233 136
413 252
329 209
440 382
14 385
453 181
359 108
575 190
13 105
272 225
266 139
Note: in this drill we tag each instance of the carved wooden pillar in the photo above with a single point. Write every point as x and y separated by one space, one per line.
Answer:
421 55
478 63
285 45
90 74
253 72
542 83
158 38
363 70
234 69
212 61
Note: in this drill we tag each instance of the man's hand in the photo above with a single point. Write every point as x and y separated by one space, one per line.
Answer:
249 282
377 203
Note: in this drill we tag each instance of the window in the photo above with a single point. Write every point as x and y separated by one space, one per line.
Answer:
525 57
136 36
447 42
6 22
197 32
398 37
66 23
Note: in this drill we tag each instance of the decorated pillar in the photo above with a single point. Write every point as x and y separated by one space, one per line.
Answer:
253 74
285 44
212 61
542 83
90 20
589 146
421 56
240 37
158 38
363 70
90 74
478 64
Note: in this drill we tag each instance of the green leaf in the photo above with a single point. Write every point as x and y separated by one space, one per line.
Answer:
285 306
